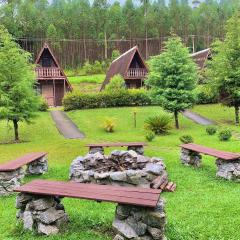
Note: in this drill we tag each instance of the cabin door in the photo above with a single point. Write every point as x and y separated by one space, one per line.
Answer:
47 92
59 92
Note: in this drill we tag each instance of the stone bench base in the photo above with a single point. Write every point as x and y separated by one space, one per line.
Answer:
46 215
229 170
132 222
190 158
37 167
10 180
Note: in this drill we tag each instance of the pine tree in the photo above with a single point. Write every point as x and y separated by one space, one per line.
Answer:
172 77
18 100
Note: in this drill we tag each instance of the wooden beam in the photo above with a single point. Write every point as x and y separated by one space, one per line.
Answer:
54 93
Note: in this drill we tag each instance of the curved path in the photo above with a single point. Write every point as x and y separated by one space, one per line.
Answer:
66 126
197 118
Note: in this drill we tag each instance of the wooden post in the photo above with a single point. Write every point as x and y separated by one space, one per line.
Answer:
64 85
54 93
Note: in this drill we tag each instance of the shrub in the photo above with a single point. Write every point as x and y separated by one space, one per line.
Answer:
77 100
109 125
211 130
115 54
43 107
94 68
150 135
205 95
225 135
158 124
116 84
186 139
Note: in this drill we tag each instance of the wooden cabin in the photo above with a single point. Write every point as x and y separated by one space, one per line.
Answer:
201 57
132 68
52 82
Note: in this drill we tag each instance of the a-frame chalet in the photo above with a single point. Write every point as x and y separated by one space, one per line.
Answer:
201 57
52 82
132 68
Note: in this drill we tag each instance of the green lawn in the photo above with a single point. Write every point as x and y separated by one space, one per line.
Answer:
203 206
87 84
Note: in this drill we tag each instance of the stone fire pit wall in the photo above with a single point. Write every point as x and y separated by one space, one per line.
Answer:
44 214
123 168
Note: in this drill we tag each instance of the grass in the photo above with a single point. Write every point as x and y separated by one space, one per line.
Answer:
203 206
87 84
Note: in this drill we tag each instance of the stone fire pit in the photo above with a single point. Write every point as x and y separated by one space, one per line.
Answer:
126 168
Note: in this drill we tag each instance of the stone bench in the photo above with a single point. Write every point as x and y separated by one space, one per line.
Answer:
228 163
11 173
139 213
135 146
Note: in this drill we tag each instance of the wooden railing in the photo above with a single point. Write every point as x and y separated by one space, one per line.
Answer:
45 72
136 72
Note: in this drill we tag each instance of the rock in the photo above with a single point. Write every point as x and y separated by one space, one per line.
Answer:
28 220
155 233
118 237
122 212
101 175
119 176
155 219
37 167
47 229
124 229
142 159
154 168
139 227
22 199
51 215
42 204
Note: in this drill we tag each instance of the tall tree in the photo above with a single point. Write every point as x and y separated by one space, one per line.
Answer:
172 77
18 100
224 69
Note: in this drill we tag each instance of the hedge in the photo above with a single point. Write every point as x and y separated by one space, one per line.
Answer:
77 100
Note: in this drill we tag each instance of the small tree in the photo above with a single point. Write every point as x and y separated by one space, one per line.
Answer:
172 77
18 100
116 84
224 69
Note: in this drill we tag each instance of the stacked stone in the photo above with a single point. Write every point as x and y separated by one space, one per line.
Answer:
139 223
190 158
44 214
37 167
229 170
124 168
10 180
137 149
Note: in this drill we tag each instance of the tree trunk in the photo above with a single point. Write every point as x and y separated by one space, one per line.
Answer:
176 119
15 124
236 115
105 45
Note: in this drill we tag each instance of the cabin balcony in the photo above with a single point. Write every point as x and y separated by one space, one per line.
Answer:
45 72
139 73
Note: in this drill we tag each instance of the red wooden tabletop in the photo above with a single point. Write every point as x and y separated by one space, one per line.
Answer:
117 144
124 195
212 152
19 162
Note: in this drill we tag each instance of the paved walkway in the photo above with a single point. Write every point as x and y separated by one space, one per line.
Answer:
197 118
65 125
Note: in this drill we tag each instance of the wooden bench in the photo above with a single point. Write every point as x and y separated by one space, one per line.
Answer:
11 173
226 161
99 147
128 197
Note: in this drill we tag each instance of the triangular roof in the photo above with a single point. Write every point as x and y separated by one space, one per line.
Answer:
201 57
121 65
46 47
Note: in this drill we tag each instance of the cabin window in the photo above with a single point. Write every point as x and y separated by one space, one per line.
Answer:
46 62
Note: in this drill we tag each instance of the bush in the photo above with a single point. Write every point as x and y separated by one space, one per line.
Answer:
225 135
116 84
186 139
77 100
43 107
211 130
109 125
158 124
94 68
205 95
150 135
